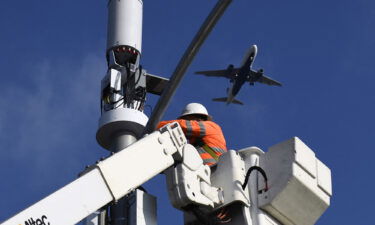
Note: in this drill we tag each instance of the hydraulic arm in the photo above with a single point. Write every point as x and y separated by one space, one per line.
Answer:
107 181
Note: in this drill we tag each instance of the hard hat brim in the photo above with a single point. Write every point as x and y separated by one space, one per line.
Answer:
209 117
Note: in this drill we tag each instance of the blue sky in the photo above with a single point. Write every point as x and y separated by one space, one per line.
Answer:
53 58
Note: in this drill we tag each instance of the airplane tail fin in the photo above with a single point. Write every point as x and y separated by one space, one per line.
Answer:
220 99
225 99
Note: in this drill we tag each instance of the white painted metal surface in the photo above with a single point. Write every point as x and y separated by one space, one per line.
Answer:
113 81
125 23
324 177
121 119
70 204
189 182
251 157
230 175
296 195
123 114
144 159
96 218
266 219
142 209
108 181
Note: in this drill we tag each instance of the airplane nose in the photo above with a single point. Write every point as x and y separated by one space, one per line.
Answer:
255 49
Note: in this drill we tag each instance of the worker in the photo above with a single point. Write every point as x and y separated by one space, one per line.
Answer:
207 137
198 127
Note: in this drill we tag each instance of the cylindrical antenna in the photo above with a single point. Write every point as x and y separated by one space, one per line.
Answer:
125 24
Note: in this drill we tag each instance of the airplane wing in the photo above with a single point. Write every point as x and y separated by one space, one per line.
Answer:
218 73
266 80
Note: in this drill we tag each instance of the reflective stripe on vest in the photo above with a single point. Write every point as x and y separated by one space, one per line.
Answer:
189 129
210 151
215 149
202 129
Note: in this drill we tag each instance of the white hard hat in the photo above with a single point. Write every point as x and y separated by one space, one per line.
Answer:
195 108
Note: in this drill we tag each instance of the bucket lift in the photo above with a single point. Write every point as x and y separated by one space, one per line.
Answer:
287 185
295 186
299 184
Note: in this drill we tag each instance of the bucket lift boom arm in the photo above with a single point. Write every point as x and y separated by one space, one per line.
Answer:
107 181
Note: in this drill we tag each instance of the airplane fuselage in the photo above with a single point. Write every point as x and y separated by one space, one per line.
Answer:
238 76
243 74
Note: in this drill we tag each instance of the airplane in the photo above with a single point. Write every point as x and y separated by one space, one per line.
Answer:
238 76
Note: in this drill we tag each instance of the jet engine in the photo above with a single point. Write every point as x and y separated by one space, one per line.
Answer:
230 69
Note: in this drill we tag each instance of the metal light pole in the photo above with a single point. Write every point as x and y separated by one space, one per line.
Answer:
123 89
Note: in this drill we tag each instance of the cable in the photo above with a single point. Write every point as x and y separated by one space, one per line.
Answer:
117 101
122 104
140 74
205 218
248 175
199 215
128 88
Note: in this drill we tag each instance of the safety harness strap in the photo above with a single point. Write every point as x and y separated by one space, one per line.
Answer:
211 152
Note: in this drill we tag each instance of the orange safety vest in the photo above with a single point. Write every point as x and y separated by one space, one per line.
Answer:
206 136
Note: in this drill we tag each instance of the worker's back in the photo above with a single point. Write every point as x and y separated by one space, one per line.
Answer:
206 136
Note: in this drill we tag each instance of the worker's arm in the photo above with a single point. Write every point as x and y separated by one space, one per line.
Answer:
163 123
193 129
